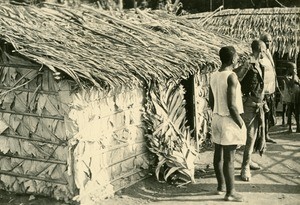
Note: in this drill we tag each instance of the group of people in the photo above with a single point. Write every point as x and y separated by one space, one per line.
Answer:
290 96
244 108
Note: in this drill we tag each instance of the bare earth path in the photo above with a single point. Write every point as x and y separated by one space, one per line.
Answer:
278 183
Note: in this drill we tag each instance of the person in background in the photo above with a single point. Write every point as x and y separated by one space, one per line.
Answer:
285 97
228 129
251 76
292 87
270 85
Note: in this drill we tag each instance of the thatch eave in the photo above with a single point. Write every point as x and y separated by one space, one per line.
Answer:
247 24
89 44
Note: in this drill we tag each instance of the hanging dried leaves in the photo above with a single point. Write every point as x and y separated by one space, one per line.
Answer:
247 24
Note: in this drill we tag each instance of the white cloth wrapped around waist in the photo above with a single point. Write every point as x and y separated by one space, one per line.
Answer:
226 132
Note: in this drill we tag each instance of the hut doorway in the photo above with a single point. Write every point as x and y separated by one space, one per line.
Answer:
189 97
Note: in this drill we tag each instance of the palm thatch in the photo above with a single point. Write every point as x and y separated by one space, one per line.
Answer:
92 45
247 24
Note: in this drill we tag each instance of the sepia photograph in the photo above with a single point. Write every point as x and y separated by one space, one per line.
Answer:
149 102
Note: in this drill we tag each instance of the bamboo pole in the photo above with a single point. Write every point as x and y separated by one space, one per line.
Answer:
196 131
27 176
128 174
127 158
120 146
33 139
34 159
33 115
16 86
121 5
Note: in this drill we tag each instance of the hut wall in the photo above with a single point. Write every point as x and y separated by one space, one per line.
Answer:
33 141
203 112
53 142
109 143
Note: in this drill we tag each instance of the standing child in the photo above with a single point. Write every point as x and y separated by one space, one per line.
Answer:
292 90
286 97
228 129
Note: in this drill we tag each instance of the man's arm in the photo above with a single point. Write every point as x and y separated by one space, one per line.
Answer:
241 71
296 79
232 82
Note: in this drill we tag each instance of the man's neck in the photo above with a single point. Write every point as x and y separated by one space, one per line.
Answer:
254 58
226 67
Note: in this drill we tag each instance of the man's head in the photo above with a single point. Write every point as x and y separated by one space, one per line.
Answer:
228 56
258 48
291 68
267 39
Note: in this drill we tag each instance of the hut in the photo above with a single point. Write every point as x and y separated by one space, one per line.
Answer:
79 95
248 24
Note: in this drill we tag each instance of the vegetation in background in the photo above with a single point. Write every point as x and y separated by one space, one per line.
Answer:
193 6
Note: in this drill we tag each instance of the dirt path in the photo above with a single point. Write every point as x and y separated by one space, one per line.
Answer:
278 183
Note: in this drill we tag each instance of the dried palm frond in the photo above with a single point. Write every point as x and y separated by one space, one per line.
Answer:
171 138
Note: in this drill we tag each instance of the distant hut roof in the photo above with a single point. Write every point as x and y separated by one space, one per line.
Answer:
91 45
247 24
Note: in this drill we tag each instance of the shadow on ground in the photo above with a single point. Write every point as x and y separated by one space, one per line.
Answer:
280 174
279 179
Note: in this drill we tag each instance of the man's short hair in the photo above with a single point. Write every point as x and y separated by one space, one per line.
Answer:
256 45
290 67
265 36
226 54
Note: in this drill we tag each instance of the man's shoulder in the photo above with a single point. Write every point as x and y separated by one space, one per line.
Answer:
251 70
233 76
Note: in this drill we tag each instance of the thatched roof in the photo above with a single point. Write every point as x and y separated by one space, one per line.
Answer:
247 24
91 45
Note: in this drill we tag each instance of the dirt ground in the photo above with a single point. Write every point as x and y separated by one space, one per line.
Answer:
277 183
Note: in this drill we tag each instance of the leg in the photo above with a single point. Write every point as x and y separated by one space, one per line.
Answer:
297 113
228 169
289 116
252 130
267 116
283 113
270 117
218 167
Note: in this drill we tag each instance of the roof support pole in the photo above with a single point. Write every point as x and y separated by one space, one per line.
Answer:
195 95
121 5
